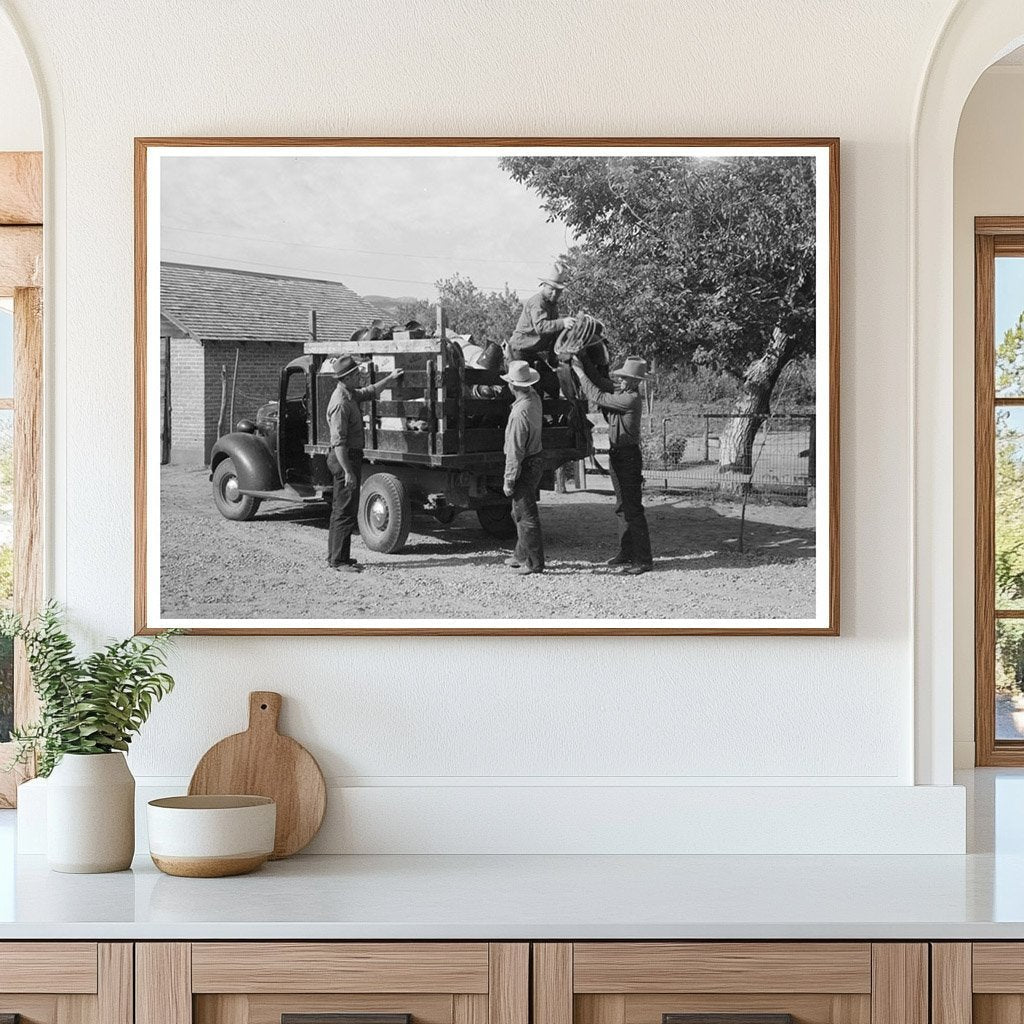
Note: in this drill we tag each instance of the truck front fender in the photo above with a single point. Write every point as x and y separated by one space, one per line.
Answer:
254 461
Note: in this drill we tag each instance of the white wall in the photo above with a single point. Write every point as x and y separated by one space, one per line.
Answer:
432 715
987 182
20 125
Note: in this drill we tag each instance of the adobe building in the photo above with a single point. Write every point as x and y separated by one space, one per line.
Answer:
225 335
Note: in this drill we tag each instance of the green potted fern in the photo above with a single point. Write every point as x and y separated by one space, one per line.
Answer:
89 710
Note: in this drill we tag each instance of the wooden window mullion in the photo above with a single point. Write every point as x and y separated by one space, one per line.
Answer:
984 501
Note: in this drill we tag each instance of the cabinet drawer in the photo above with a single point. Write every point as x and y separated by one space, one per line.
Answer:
633 967
340 967
66 967
332 983
730 983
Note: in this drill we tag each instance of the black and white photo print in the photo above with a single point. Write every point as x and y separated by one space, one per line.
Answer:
472 385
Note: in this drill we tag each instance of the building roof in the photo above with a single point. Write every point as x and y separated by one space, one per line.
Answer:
218 304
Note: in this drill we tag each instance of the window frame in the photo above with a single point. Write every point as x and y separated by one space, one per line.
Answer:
993 237
21 272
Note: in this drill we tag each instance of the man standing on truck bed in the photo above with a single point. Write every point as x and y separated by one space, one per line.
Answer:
538 326
524 467
623 411
345 459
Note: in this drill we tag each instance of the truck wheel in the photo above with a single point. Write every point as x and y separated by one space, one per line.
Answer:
496 521
385 513
230 502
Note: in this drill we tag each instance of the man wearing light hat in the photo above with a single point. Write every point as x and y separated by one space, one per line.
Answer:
623 411
539 325
345 459
524 466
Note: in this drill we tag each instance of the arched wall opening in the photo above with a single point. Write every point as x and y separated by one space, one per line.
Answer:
976 34
989 152
21 356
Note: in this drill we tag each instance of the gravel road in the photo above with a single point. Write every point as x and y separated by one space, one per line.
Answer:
275 566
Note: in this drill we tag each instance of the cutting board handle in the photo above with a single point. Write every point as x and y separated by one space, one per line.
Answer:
264 710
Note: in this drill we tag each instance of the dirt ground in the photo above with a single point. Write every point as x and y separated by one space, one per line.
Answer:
275 565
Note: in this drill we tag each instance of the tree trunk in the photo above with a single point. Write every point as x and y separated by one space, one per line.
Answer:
736 447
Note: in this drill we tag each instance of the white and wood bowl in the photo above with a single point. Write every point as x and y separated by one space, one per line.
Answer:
211 836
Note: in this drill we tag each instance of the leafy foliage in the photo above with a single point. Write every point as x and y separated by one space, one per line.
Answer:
90 705
1009 513
1009 510
6 572
1009 656
488 316
694 259
1010 361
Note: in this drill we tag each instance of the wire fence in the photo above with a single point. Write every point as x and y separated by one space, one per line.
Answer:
685 452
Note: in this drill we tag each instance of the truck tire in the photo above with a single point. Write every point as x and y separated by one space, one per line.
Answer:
230 503
385 513
496 521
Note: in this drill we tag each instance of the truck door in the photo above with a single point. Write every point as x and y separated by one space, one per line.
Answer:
293 427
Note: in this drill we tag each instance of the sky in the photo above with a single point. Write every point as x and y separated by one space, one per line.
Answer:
382 225
1009 293
6 354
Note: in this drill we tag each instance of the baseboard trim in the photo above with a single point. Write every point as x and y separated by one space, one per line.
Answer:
715 820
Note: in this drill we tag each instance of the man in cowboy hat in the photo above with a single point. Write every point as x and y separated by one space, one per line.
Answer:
345 459
524 466
623 411
539 325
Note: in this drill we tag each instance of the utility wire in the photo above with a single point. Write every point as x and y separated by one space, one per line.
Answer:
338 248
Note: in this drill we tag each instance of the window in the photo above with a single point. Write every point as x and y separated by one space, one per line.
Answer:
21 372
6 515
999 491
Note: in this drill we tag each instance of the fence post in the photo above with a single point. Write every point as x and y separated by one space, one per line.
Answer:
707 438
812 453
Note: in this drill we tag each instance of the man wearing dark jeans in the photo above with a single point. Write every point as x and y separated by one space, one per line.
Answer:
345 459
623 411
524 466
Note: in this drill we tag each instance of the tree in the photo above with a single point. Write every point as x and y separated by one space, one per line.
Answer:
1009 507
1010 361
710 261
1009 471
488 316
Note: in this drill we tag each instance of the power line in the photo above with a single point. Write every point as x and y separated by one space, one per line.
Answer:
296 271
338 248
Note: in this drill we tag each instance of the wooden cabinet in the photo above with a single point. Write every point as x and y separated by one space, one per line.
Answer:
751 982
310 982
494 983
66 982
978 983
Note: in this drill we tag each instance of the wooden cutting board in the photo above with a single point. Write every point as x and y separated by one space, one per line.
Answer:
262 762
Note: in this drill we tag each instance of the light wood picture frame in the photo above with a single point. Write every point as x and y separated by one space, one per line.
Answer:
250 249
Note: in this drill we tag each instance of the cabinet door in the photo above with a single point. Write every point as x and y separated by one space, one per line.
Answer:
332 983
65 983
730 983
980 982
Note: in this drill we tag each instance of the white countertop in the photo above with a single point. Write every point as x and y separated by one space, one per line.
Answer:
517 897
977 896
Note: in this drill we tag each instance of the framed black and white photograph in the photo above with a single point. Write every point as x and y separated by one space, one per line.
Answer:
487 386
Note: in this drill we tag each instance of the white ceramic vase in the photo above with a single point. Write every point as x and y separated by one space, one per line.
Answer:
90 814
